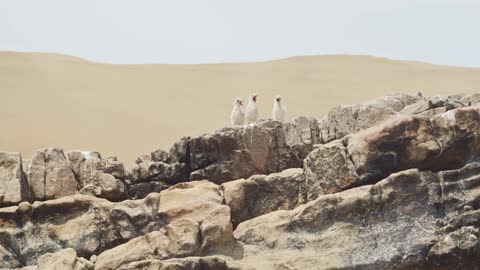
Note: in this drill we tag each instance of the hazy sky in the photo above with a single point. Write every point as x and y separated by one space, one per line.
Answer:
178 31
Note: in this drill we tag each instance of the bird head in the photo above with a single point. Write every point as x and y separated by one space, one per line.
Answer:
253 97
278 99
238 102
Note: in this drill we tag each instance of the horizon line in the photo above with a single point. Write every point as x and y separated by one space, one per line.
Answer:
239 62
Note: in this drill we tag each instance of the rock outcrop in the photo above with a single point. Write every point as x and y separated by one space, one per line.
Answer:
389 184
347 119
446 141
410 220
228 154
262 194
13 183
50 175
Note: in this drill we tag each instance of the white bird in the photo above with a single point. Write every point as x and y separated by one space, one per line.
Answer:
279 112
251 112
238 115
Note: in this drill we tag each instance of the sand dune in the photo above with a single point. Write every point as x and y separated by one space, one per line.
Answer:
124 110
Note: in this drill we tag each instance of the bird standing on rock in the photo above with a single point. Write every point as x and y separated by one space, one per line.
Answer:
237 116
251 112
279 112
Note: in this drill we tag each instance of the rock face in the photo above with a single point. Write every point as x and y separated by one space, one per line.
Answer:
228 154
13 183
389 184
347 119
446 141
92 225
410 220
50 175
99 177
262 194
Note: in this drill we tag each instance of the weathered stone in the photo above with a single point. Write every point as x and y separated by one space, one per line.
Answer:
106 186
115 168
241 165
141 190
217 232
236 152
180 238
459 249
302 133
85 165
189 263
55 224
347 119
160 155
329 169
13 183
471 99
446 141
262 194
64 259
50 175
390 225
432 106
240 195
158 171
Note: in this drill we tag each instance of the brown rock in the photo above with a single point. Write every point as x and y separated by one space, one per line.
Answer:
389 225
446 141
50 175
262 194
180 238
106 186
62 260
329 169
236 152
211 262
217 232
347 119
13 183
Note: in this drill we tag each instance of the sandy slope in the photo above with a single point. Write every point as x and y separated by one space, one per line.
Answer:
56 100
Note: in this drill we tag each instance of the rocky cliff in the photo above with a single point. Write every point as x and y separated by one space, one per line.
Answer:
393 183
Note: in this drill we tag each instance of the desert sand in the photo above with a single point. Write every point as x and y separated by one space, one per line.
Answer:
57 100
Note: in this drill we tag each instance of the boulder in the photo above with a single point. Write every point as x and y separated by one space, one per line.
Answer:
155 156
453 248
87 164
236 152
178 239
432 106
470 99
141 190
401 222
190 263
217 233
347 119
329 169
302 133
106 186
65 259
97 176
91 225
231 153
13 183
446 141
159 171
50 175
262 194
